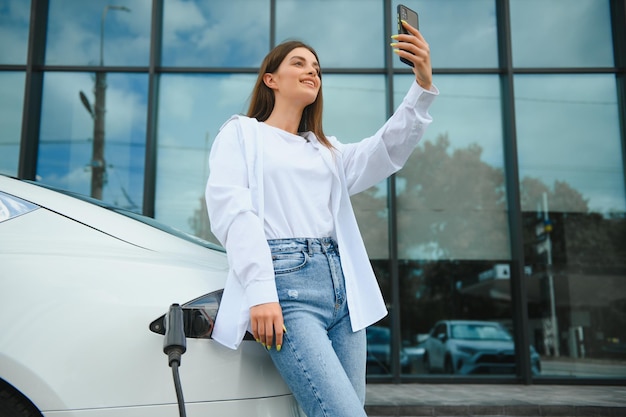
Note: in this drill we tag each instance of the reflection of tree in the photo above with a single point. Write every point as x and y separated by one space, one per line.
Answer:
199 223
460 197
452 225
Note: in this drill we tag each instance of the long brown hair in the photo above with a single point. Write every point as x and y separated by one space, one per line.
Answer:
262 99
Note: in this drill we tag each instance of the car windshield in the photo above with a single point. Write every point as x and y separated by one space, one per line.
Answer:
479 332
136 216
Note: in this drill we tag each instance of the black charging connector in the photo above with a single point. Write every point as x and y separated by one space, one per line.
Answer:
174 345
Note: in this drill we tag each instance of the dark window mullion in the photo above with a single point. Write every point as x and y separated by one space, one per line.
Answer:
518 286
618 23
150 173
33 90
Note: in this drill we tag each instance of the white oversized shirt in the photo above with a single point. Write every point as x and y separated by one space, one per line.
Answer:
237 203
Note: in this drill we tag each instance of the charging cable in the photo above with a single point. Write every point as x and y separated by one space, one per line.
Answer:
174 345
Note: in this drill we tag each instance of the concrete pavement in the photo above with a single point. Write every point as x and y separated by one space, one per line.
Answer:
410 400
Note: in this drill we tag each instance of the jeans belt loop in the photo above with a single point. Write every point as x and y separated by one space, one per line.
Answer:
309 247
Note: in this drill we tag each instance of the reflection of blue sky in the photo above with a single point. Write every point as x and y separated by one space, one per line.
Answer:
191 110
568 130
460 33
232 33
469 111
74 33
344 33
14 21
354 105
67 132
561 33
11 104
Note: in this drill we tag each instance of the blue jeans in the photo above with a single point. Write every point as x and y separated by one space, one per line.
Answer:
322 360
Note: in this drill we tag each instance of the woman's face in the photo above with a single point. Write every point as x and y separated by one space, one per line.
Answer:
297 78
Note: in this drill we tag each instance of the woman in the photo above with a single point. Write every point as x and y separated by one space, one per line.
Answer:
278 200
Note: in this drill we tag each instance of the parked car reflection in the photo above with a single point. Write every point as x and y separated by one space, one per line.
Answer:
379 351
472 347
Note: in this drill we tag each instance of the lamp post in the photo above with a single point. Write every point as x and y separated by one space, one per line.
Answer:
98 165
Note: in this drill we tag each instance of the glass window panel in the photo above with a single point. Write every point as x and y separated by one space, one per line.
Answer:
68 120
453 236
97 31
14 24
345 33
215 33
355 108
460 33
451 193
192 108
561 33
574 212
568 139
11 105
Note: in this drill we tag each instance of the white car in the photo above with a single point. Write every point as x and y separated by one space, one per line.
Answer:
472 347
83 290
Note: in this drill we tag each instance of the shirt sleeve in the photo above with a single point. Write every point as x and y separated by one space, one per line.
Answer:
234 220
373 159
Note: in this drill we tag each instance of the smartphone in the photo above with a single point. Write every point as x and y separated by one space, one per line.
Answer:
411 17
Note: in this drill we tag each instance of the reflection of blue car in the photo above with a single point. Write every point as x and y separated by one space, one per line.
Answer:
472 347
379 351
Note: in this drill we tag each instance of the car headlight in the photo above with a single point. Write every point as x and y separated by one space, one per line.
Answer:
467 350
11 206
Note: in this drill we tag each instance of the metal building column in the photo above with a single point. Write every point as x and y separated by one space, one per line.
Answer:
518 284
33 90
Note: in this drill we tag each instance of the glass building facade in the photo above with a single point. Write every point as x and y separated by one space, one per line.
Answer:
500 247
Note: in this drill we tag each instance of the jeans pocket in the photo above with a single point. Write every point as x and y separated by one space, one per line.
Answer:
285 263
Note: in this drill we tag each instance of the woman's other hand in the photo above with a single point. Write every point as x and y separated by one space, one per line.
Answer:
414 48
266 321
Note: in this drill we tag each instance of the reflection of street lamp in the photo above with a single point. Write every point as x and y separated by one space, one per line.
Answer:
98 166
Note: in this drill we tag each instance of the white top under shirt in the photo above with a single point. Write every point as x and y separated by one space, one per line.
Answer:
237 200
297 184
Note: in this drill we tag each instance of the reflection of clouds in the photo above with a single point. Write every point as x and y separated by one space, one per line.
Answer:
11 104
561 33
63 115
14 21
354 105
74 33
460 33
192 105
12 86
192 109
557 142
469 111
65 118
181 18
344 33
233 33
67 131
126 107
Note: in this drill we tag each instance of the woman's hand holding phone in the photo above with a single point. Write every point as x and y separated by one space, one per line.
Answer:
413 47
